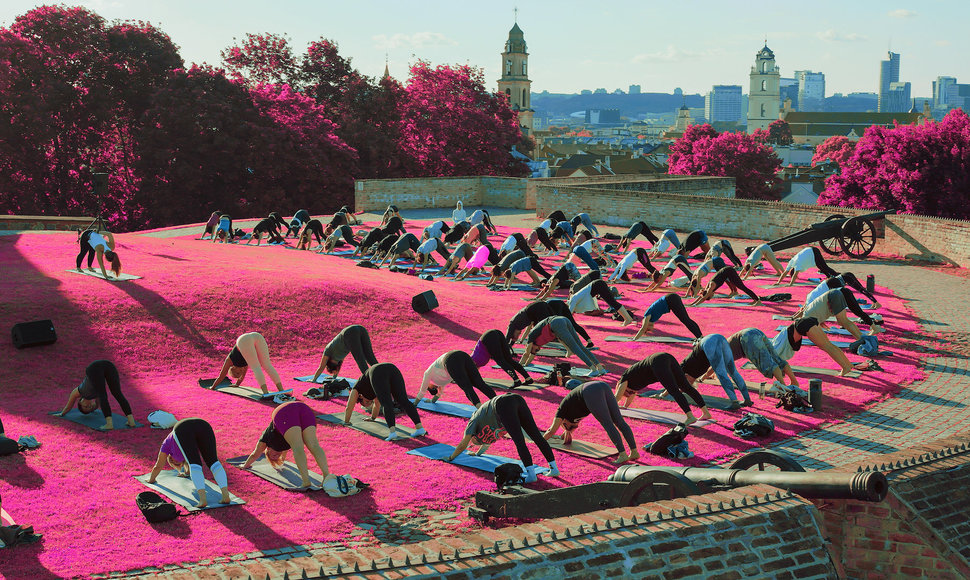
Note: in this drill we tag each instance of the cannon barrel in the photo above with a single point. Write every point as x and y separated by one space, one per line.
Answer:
862 486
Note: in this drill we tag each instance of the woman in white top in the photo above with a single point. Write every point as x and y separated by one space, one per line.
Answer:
94 244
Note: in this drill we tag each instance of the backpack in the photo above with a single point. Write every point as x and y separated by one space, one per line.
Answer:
343 485
792 401
329 389
777 297
8 446
671 438
753 425
508 474
154 508
366 264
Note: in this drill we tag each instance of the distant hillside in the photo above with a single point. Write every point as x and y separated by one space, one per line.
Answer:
629 105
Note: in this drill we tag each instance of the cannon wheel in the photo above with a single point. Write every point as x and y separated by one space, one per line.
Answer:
858 237
832 246
656 486
763 458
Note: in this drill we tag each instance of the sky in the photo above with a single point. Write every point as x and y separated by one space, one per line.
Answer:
576 45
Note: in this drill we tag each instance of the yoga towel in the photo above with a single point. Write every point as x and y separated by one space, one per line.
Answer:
95 419
660 416
583 448
97 274
651 338
246 392
447 408
359 422
288 478
181 491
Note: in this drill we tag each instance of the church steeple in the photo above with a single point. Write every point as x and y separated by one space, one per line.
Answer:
515 81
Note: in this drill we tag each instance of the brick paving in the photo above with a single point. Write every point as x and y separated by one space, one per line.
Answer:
936 407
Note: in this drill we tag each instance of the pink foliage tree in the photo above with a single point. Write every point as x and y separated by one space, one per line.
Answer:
244 151
451 125
918 169
779 133
261 58
752 164
837 149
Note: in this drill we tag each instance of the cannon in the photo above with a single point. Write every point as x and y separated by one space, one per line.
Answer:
854 236
632 485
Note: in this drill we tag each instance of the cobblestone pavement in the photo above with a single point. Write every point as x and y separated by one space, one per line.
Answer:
936 407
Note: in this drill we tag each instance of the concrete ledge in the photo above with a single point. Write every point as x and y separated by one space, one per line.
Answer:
39 222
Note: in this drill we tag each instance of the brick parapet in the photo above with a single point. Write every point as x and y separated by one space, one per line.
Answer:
40 222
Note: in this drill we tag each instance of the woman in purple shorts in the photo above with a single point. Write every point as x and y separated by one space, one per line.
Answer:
191 442
292 426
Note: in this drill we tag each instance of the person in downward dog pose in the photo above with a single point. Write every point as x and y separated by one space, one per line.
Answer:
492 345
667 303
100 377
559 327
292 426
758 253
726 275
803 261
455 366
353 340
661 367
713 352
594 398
191 443
380 387
250 351
507 415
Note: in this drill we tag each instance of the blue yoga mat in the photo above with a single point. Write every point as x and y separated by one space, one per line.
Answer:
540 368
95 419
447 408
830 330
484 462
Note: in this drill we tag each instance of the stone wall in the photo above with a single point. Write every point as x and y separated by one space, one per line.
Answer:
374 195
37 222
928 238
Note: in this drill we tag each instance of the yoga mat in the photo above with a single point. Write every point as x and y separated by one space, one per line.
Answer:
506 384
288 478
97 274
95 419
831 319
660 416
484 462
181 491
721 304
583 448
839 331
650 338
543 351
246 392
359 422
813 371
543 368
448 408
714 402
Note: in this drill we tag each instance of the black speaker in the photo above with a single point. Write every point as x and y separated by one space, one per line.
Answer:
36 333
424 302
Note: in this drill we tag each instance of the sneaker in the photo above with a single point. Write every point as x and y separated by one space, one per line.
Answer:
394 436
419 432
747 403
734 406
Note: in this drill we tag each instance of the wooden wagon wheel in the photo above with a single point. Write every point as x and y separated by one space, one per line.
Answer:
765 458
832 246
656 485
858 237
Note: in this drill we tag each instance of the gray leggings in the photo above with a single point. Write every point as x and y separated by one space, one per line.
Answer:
604 408
564 331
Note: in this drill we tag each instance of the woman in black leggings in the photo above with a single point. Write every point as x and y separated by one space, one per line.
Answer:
456 233
594 398
637 229
695 239
192 442
540 235
99 245
455 366
723 247
726 275
492 345
661 367
507 415
344 232
556 216
309 230
667 303
353 340
381 386
269 227
99 377
584 300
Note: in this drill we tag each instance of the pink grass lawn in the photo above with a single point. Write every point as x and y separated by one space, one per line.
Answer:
176 325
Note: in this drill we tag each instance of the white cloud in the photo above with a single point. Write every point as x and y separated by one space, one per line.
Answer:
902 13
412 41
943 43
831 35
670 54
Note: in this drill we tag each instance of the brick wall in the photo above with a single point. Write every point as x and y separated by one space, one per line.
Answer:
921 530
35 222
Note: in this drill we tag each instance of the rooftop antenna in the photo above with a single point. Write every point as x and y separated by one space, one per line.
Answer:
516 16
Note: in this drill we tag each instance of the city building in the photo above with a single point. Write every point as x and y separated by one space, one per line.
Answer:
897 99
723 103
811 91
683 121
788 90
634 89
603 116
940 87
813 128
764 94
888 74
515 81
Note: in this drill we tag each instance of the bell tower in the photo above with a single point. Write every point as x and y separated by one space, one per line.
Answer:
764 94
515 81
